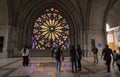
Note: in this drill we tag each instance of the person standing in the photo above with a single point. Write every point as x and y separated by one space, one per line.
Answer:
95 51
25 54
73 58
58 57
79 52
107 52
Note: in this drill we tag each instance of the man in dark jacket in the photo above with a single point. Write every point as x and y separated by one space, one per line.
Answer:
79 52
58 57
107 56
73 58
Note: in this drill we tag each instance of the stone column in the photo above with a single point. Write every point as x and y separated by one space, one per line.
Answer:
4 31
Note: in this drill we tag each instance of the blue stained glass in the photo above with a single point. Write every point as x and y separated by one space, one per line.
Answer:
36 47
35 31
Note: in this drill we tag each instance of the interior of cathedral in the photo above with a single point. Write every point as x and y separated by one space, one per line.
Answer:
44 24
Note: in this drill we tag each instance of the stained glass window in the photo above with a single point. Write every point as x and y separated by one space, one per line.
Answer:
50 30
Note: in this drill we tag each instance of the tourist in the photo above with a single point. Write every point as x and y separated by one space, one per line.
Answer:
25 54
95 51
73 58
59 57
79 52
107 52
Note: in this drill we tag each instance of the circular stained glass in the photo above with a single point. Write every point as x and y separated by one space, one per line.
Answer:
50 30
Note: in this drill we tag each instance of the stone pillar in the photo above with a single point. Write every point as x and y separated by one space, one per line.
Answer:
4 31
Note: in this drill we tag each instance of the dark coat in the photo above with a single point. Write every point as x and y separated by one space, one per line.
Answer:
95 50
107 54
59 54
73 55
79 51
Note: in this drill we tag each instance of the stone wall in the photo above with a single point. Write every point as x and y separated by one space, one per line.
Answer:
4 28
99 38
4 33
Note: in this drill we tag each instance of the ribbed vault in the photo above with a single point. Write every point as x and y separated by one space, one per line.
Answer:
114 14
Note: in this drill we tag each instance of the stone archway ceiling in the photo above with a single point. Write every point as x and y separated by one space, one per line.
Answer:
32 11
76 9
29 10
114 15
77 12
98 14
73 9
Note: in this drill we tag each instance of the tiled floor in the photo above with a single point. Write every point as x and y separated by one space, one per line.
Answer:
45 67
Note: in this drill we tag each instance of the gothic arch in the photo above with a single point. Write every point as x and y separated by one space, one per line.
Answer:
29 14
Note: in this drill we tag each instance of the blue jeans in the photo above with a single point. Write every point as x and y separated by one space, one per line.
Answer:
58 65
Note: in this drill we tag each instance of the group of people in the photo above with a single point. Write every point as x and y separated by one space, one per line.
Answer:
107 55
76 56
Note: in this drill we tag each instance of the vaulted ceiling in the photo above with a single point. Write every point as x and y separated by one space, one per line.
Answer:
91 14
82 12
114 14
